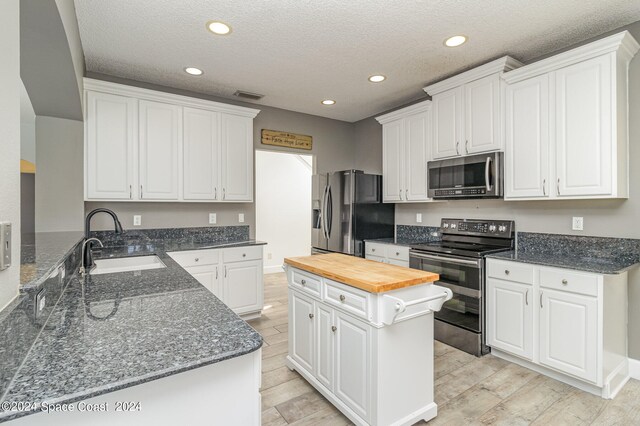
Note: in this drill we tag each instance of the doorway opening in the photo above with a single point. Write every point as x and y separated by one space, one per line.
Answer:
283 206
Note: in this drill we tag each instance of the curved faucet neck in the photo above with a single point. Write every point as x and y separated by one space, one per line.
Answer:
87 222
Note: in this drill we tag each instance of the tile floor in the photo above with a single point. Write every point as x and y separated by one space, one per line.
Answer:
468 390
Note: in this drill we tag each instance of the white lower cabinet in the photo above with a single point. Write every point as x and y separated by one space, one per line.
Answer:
302 330
234 275
570 325
387 253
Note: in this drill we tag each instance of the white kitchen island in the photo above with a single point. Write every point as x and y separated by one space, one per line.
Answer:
361 333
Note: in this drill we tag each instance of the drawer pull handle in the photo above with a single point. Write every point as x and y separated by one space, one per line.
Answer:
342 297
507 272
334 328
303 282
540 299
565 282
526 298
310 316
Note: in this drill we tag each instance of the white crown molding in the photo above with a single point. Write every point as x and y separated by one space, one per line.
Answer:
506 63
154 95
412 109
622 43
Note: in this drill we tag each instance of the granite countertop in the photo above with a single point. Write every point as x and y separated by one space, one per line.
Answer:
112 331
602 255
42 252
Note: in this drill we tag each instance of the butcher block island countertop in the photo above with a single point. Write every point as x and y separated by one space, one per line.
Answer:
367 275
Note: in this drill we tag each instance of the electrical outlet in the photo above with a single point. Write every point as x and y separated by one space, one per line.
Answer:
418 217
578 223
269 256
137 220
241 217
212 219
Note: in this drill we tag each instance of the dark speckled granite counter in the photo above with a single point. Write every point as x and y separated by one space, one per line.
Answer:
409 235
107 332
590 254
41 253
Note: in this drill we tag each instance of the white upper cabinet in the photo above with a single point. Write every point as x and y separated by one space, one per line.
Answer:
144 145
467 110
110 133
160 133
201 154
566 123
405 152
237 157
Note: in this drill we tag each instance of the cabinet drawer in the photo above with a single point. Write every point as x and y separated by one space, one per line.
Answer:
305 283
510 271
375 258
565 280
374 249
348 298
242 253
195 257
398 253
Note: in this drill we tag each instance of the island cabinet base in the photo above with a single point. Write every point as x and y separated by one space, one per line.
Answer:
224 393
370 354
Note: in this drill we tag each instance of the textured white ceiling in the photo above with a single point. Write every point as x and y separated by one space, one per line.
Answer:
298 52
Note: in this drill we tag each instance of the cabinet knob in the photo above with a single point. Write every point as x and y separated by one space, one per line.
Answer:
303 282
373 249
244 254
342 297
197 259
565 282
397 253
311 316
507 272
334 328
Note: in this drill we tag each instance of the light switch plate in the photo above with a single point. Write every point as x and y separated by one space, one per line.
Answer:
578 223
212 218
418 217
5 245
137 220
241 217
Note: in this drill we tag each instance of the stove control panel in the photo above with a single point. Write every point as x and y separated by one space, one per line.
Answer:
490 228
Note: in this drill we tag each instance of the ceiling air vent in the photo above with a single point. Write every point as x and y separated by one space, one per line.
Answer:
248 95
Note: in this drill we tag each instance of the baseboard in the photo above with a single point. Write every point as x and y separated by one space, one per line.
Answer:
272 269
634 368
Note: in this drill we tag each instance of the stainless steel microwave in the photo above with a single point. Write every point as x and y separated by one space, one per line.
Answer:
473 176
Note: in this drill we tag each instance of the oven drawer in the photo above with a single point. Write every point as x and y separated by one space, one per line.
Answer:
305 283
347 298
510 271
563 280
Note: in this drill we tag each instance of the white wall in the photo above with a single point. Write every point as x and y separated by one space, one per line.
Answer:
283 206
59 184
10 140
27 127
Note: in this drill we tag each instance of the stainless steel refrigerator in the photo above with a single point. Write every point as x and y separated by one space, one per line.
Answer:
347 209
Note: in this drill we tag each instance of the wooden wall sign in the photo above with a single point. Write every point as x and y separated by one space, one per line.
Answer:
286 139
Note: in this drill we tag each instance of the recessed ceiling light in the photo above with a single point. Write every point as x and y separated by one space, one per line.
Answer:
377 78
193 71
455 41
328 102
218 27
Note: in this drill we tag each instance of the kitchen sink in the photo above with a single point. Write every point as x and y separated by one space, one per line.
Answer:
126 264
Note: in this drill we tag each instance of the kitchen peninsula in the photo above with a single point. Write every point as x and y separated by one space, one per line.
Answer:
361 332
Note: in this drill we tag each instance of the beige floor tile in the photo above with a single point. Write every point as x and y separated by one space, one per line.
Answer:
302 406
463 378
574 408
273 362
327 417
508 380
269 331
284 392
275 349
271 417
275 377
284 328
276 338
466 408
450 362
624 409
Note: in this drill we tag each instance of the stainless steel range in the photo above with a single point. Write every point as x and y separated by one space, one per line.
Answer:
459 259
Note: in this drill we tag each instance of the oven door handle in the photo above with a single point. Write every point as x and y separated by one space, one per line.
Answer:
487 168
460 290
455 260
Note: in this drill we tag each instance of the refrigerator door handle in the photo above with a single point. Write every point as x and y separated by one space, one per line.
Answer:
324 212
329 218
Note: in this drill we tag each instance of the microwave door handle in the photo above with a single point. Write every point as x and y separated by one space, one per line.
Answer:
487 178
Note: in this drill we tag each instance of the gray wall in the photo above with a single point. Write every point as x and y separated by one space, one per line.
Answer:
614 218
59 177
333 149
10 140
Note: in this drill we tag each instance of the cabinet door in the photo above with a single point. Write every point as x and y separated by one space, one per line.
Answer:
242 288
324 345
447 114
110 141
207 276
237 157
584 128
352 364
527 138
301 330
510 317
201 154
415 156
482 115
392 164
568 333
159 138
